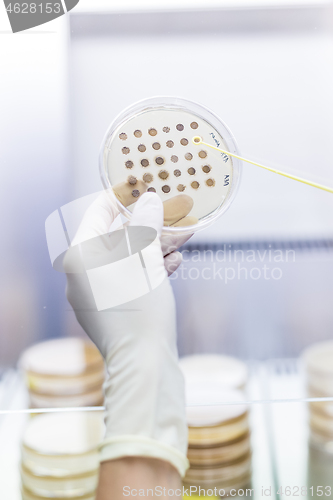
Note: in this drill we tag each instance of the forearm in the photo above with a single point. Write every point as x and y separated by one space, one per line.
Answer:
124 478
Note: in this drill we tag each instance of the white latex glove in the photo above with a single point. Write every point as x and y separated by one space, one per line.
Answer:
144 393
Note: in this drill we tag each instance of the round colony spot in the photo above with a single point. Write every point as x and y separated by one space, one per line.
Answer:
132 180
137 133
184 142
163 174
147 178
125 151
174 158
191 170
151 190
195 184
141 148
206 169
159 160
152 131
177 173
188 156
180 127
210 182
123 136
135 193
156 145
194 125
197 139
166 189
181 187
170 144
166 129
144 162
129 164
202 154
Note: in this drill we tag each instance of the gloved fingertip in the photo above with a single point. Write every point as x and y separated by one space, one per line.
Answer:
152 199
148 211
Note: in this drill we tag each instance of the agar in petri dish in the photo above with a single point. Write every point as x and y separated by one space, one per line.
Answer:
171 115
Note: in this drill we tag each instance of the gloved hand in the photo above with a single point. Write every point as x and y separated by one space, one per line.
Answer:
144 392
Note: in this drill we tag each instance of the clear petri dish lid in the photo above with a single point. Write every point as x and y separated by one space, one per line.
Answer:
221 472
226 370
91 398
224 486
318 358
149 148
64 433
29 495
54 487
212 404
220 454
322 423
65 386
64 357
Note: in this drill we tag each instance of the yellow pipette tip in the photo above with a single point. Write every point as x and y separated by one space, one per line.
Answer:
196 140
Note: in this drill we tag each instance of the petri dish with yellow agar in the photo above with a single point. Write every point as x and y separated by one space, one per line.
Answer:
150 147
60 455
211 368
63 372
219 447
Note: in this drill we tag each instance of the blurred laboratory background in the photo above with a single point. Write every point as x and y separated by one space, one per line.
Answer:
265 68
255 289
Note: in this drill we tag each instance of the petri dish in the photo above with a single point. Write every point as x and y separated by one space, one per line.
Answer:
226 472
318 362
62 445
321 423
321 441
149 146
210 422
218 434
211 368
63 367
28 495
325 407
226 486
217 455
91 398
67 487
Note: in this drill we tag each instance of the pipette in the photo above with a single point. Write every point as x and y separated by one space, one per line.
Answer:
198 140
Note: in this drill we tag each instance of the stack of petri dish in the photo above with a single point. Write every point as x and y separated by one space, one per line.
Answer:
318 364
60 456
66 372
219 448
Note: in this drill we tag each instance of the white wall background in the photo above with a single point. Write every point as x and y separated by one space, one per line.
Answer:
34 181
